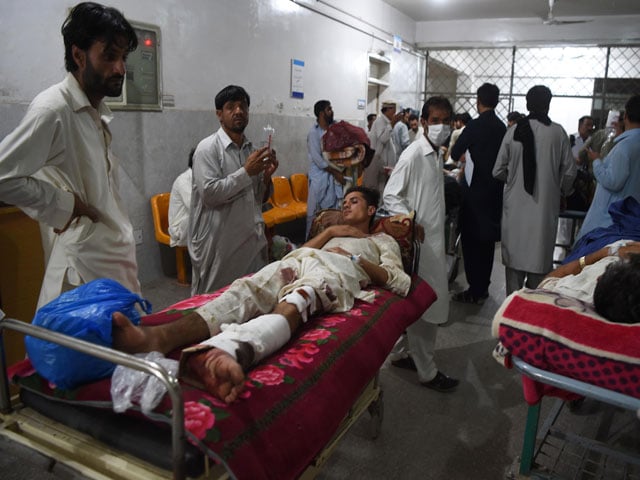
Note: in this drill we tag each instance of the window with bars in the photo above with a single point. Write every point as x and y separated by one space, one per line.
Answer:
590 80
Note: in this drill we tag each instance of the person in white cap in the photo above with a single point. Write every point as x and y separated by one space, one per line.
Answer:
375 175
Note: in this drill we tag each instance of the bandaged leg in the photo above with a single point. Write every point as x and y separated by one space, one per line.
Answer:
264 334
305 301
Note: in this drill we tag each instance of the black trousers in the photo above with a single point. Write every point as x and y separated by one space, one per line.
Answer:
478 263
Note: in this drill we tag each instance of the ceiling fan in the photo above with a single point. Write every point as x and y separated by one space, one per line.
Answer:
551 20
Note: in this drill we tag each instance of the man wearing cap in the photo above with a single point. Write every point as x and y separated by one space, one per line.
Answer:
385 155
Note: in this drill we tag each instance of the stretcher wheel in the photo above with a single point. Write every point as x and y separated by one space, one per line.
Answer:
376 410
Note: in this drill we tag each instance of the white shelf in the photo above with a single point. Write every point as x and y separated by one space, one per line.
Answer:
373 57
379 70
376 81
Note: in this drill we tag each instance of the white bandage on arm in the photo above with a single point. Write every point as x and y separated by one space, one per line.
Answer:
265 334
304 299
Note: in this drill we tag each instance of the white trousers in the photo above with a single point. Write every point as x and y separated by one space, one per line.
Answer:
420 343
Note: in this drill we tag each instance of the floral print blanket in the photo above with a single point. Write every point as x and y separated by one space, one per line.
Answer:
563 335
295 400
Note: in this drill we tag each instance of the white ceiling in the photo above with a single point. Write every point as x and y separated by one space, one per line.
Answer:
436 10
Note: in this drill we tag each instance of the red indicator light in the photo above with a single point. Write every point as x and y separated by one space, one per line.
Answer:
148 42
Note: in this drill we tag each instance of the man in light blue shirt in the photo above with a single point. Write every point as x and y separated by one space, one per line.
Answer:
400 133
325 182
618 174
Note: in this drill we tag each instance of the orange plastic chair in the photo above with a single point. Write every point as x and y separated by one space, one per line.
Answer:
160 213
277 215
283 197
300 187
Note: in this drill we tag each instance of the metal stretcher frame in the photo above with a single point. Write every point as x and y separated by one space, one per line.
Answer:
104 353
369 400
581 388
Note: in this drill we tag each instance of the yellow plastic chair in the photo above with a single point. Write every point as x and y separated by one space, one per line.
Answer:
300 187
277 215
160 212
283 197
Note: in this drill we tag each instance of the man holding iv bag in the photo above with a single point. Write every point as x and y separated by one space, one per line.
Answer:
231 180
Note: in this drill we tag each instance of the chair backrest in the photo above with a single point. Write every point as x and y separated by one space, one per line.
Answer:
282 195
160 212
300 187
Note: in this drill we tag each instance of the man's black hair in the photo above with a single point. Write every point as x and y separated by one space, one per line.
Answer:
413 116
90 22
514 116
231 93
436 102
463 117
370 116
488 95
320 106
538 99
371 195
617 296
632 109
583 118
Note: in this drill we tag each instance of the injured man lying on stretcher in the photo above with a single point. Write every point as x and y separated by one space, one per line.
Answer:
608 278
256 315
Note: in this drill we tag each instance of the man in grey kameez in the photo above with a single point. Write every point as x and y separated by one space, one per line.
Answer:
536 163
231 181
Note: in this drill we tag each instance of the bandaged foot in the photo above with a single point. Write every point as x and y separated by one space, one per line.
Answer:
305 300
215 371
250 342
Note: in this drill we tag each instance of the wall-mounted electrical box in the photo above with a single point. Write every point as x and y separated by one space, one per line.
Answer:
142 88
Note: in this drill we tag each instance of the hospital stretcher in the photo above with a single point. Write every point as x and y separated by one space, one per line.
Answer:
297 404
564 349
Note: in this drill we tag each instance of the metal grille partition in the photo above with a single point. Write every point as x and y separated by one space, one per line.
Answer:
590 79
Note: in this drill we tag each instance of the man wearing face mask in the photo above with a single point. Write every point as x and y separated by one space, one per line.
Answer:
417 183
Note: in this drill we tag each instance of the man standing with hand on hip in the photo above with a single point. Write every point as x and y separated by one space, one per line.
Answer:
58 167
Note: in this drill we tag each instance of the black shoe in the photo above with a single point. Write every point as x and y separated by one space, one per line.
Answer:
441 383
468 297
407 363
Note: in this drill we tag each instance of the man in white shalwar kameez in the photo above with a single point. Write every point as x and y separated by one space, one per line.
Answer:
537 166
231 181
417 183
57 165
375 175
180 206
256 315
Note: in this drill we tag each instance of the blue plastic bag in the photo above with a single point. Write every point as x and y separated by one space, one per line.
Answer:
84 313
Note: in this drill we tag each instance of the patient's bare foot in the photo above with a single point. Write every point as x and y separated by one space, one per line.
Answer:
219 372
131 338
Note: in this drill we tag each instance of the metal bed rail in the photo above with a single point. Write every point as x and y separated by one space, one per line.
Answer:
576 386
152 368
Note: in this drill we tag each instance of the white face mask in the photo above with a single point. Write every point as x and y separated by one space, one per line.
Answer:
437 134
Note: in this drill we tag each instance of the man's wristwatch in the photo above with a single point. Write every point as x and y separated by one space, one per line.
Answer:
356 258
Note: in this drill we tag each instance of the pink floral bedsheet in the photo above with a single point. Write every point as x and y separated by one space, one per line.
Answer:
294 400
